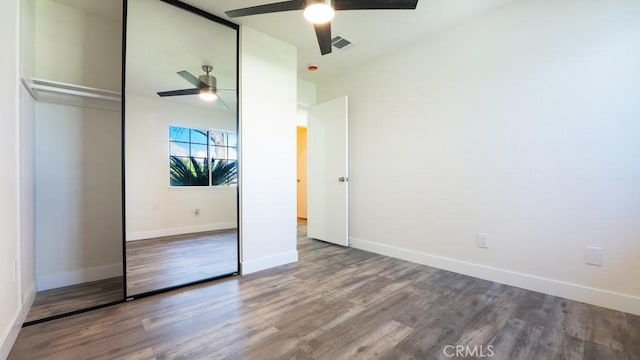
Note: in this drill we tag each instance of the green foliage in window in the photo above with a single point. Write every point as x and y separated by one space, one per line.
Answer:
188 172
224 172
192 172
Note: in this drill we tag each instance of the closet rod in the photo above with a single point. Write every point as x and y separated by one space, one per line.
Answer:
77 90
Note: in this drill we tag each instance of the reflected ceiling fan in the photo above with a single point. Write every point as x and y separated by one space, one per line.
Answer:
320 12
205 86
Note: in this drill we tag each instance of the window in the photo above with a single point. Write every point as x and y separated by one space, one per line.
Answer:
202 157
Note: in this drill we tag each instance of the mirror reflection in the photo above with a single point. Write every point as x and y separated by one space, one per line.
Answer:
181 148
77 125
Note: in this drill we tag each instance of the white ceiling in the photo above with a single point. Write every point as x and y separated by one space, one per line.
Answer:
372 32
162 40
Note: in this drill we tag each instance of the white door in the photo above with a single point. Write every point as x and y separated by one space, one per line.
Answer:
327 172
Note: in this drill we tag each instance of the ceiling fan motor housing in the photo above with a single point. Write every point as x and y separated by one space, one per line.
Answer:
209 80
311 2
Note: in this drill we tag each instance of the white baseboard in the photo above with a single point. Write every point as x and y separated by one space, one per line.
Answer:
150 234
67 278
609 299
8 342
255 265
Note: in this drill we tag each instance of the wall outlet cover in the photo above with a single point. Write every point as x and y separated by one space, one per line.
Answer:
483 240
594 256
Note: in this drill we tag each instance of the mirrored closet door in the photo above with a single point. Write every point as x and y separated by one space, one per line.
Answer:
77 134
181 146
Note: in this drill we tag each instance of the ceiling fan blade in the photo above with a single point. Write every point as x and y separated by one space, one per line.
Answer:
222 103
323 33
268 8
375 4
179 92
192 79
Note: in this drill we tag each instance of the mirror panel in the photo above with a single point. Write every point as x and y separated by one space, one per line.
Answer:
77 156
180 151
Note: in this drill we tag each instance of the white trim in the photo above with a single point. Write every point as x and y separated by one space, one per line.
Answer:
77 90
251 266
78 101
150 234
600 297
30 90
8 342
67 278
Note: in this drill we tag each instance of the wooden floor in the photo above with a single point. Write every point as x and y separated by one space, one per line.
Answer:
76 297
338 303
165 262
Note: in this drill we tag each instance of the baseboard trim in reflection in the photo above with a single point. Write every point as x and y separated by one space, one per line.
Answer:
151 234
68 278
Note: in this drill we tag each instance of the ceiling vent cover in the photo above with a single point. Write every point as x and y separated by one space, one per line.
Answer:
340 43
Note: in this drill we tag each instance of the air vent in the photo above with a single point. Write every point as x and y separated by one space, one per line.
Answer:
340 43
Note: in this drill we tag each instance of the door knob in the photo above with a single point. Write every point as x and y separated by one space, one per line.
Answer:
343 179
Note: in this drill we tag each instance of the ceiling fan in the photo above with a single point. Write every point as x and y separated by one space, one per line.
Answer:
320 12
205 86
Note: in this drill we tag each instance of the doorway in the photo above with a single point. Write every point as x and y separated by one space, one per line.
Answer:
301 181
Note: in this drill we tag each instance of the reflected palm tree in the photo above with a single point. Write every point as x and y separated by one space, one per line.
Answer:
188 172
194 172
224 172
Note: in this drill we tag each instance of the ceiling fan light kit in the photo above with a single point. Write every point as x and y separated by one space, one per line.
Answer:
320 12
207 95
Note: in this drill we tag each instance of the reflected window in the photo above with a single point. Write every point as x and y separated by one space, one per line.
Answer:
200 157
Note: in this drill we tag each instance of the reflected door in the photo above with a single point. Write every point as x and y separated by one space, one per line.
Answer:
301 180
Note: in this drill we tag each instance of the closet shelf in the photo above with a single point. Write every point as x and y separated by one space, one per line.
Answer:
35 85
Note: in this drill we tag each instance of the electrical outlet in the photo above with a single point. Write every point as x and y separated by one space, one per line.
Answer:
483 240
594 255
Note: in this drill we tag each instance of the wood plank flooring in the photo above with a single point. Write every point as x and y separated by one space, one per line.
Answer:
338 303
76 297
161 263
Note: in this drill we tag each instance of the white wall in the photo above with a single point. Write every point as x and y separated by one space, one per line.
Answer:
78 194
10 300
76 47
27 156
306 99
153 208
268 151
521 123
